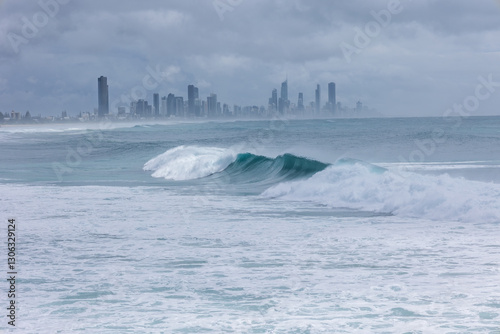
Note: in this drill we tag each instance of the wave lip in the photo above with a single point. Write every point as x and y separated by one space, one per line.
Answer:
189 162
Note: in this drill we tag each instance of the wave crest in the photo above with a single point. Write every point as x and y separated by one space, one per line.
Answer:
190 162
193 162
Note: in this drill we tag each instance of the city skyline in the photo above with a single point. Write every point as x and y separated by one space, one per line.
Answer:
210 107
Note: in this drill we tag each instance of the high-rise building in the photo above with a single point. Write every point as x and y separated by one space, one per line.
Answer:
359 106
156 104
300 102
133 108
225 110
318 99
171 104
102 96
212 105
273 102
142 108
203 108
179 106
193 96
163 106
332 97
283 102
284 90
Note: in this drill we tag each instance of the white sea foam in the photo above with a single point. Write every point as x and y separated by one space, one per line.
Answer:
170 262
41 129
403 194
440 166
190 162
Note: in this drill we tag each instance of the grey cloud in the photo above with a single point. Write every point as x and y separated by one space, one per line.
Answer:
425 59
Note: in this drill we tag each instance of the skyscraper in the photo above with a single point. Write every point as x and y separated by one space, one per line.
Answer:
102 96
212 105
171 105
163 106
142 108
273 101
300 102
179 106
283 102
332 97
318 99
284 90
359 106
156 104
193 96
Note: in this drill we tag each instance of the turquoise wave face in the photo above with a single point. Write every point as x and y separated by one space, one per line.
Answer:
249 168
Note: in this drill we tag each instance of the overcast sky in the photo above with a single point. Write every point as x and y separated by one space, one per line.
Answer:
421 59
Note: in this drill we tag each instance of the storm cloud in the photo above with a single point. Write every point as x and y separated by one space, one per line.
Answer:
404 58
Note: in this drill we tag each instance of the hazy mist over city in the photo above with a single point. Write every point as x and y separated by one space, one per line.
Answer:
403 58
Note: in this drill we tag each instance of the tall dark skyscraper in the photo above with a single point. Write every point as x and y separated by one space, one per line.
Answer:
193 96
284 90
332 97
318 99
156 103
102 96
283 102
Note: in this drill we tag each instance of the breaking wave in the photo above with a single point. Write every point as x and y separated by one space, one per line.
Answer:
348 183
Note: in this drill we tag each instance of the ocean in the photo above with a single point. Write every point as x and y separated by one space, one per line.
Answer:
387 225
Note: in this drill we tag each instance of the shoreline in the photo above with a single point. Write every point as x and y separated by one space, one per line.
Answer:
109 124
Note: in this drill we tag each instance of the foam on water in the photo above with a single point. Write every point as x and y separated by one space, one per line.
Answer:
137 259
404 194
442 166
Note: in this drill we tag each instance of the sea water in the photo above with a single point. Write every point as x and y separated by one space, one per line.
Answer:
272 226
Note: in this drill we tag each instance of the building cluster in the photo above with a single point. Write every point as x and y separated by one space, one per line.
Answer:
283 105
171 106
194 106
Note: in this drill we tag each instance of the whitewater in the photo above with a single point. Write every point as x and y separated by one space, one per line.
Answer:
273 226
